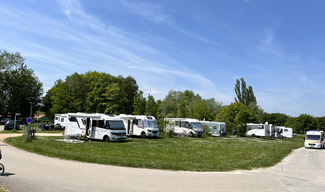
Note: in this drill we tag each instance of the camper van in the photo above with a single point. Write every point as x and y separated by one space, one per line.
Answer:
140 125
215 128
314 139
184 126
285 132
260 130
94 126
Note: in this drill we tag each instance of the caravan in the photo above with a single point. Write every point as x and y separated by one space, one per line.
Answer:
260 130
140 125
215 128
184 126
94 126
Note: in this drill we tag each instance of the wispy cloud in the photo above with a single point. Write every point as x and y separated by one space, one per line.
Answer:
152 12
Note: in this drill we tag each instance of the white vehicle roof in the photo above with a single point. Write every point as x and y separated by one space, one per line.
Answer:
142 117
94 115
314 132
182 119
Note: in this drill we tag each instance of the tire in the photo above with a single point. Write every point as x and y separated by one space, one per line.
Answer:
143 135
190 134
2 169
253 135
106 139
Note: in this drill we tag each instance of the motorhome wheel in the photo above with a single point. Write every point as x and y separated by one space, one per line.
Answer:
143 134
106 138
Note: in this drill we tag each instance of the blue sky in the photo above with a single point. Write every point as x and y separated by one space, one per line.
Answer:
277 46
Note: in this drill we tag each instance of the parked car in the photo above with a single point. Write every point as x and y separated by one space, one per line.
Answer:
5 120
10 125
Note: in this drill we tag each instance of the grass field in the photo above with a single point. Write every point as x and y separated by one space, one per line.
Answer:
181 153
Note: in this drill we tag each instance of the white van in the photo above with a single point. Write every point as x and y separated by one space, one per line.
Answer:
315 139
215 128
184 126
140 125
61 119
95 126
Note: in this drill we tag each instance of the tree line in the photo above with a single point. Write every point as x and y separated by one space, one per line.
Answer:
98 92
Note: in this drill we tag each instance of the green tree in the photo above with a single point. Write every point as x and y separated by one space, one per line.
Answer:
280 118
139 105
201 110
304 123
151 106
244 95
320 123
19 86
169 106
236 115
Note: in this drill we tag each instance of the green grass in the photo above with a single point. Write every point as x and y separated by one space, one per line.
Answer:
183 153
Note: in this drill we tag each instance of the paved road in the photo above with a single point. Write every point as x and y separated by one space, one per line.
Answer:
301 171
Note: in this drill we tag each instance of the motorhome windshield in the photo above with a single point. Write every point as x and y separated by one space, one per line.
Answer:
150 123
312 137
196 125
116 125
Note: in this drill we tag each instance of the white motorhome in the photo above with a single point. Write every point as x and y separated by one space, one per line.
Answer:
215 128
260 130
61 119
184 126
314 139
95 126
140 125
285 132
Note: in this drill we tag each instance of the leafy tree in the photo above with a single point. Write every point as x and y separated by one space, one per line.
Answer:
304 123
236 115
201 110
19 86
244 95
280 118
139 104
169 106
320 123
151 106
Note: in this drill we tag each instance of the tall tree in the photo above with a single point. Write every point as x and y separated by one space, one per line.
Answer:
19 86
244 95
139 104
151 106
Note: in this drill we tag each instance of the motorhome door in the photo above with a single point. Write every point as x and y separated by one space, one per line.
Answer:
89 127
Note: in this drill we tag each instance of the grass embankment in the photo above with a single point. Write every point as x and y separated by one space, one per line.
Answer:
183 153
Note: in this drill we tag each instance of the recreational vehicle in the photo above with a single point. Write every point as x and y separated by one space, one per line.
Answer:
184 126
285 132
260 130
95 126
215 128
140 125
314 139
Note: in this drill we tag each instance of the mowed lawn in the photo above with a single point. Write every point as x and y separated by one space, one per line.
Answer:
179 153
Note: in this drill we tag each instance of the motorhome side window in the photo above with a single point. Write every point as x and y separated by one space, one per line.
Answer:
83 121
186 124
73 119
98 123
62 119
140 123
177 123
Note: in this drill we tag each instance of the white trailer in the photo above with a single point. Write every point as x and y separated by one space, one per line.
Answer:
140 125
315 139
184 126
215 128
95 126
260 130
285 132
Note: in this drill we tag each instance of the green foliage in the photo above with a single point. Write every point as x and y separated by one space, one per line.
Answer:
92 92
19 86
151 106
244 95
139 104
280 118
304 123
237 114
320 123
